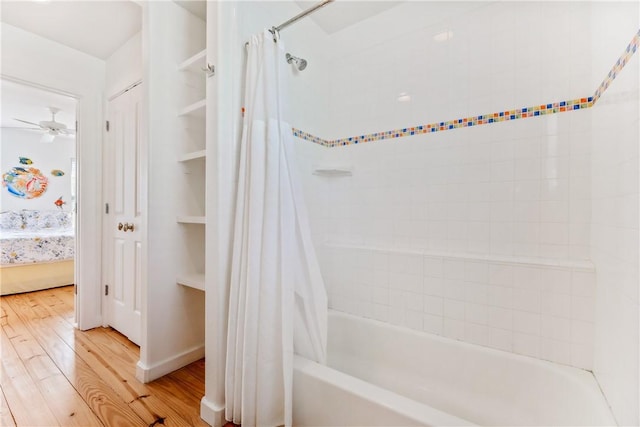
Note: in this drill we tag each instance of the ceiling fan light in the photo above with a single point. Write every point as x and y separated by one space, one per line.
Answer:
47 138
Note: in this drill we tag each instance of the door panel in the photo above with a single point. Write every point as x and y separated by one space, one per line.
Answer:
124 137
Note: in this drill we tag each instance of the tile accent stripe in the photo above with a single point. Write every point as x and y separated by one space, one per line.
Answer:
620 63
501 116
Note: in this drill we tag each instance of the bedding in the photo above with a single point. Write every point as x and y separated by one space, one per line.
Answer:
37 250
26 246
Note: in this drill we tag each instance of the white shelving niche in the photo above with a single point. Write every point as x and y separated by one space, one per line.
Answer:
191 114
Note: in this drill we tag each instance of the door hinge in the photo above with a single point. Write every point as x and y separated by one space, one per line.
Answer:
75 289
108 125
106 208
106 289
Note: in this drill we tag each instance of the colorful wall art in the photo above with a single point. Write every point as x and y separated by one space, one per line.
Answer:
59 202
57 172
24 183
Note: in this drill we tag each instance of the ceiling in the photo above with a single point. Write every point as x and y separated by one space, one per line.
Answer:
197 7
97 28
340 14
30 104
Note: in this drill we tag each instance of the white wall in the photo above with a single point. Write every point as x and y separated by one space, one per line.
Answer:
73 73
56 155
614 229
124 66
172 315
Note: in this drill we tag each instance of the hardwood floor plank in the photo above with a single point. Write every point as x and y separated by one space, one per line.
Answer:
114 361
123 359
27 404
63 400
105 404
98 364
6 419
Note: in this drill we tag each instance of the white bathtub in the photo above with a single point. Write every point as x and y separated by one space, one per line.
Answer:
383 375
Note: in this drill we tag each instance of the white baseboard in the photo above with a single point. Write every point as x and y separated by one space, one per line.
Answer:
145 373
211 413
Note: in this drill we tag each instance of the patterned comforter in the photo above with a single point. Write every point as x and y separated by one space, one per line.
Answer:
25 246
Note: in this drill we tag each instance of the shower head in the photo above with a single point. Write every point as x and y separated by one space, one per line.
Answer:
300 63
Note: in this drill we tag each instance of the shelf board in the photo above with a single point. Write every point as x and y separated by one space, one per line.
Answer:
332 171
186 219
196 63
197 109
193 280
200 154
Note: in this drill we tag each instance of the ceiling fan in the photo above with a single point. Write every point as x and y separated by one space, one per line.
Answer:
51 128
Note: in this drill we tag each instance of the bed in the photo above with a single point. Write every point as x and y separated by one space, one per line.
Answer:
37 250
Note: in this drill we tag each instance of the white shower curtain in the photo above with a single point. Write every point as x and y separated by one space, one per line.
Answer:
278 301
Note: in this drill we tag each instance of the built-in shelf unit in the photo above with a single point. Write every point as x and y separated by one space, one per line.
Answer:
191 161
195 281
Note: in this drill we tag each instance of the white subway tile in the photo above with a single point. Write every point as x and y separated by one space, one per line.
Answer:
454 289
433 305
413 319
454 329
583 283
527 278
526 322
529 345
477 272
381 312
582 356
501 339
555 304
582 308
454 269
499 317
433 286
413 301
476 334
555 351
454 309
556 328
433 267
432 324
526 300
582 332
475 313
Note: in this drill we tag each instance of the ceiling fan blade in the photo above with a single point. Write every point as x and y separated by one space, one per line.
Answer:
29 123
21 128
47 138
68 131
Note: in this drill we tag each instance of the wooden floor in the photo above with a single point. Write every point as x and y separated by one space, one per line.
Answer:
53 374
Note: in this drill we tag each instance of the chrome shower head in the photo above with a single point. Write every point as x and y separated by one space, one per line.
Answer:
300 63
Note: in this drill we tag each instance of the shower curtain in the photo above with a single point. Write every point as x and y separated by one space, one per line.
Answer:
278 302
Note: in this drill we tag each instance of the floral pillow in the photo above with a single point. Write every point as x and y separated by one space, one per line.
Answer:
11 220
38 220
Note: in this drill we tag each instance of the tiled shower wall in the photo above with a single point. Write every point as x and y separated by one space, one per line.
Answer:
481 234
615 241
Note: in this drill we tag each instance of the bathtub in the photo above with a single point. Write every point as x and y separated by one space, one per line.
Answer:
382 375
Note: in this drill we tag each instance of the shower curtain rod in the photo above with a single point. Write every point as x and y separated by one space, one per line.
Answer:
275 30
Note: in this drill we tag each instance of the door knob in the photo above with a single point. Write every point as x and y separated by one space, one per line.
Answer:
120 226
128 227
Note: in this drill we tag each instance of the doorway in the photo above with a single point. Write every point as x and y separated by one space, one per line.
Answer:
38 212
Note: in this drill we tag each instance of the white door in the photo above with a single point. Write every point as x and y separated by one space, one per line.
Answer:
124 299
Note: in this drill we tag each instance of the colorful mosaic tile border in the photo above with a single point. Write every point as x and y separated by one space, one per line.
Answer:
501 116
620 63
